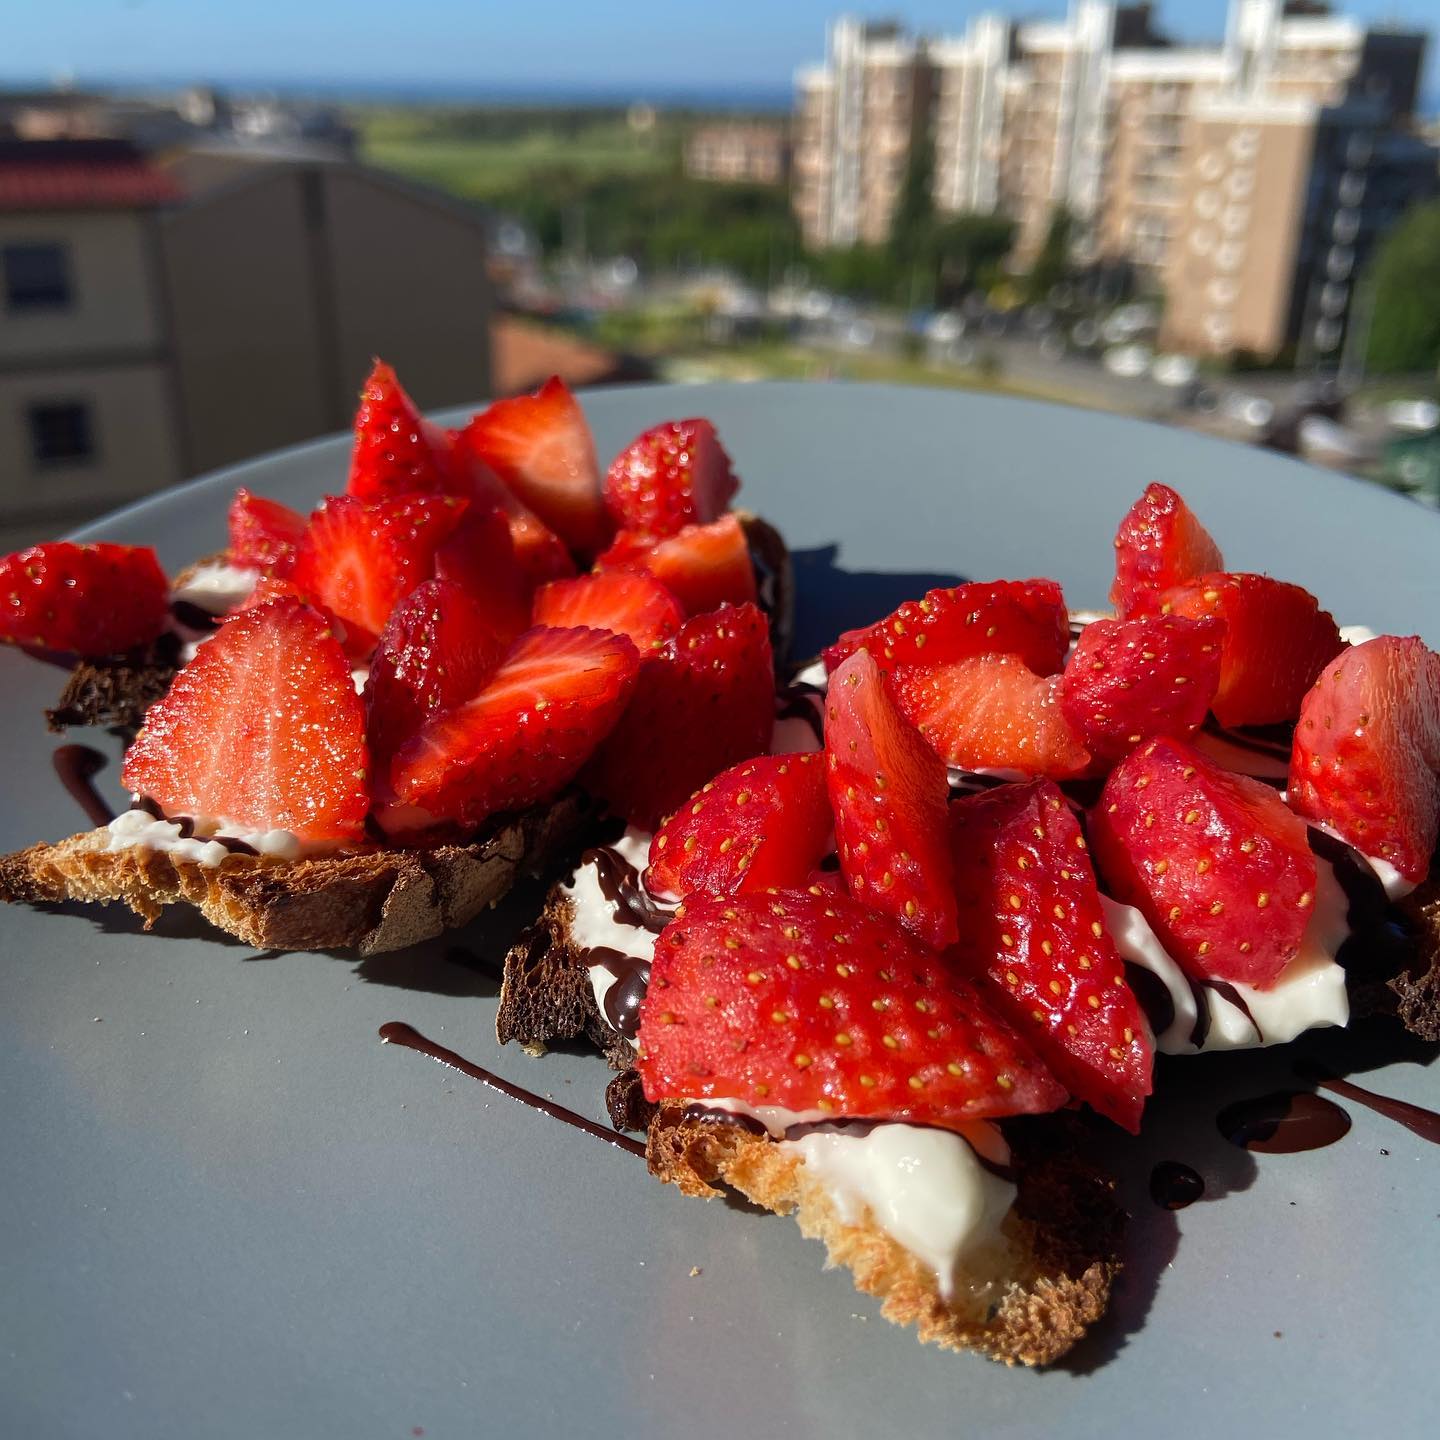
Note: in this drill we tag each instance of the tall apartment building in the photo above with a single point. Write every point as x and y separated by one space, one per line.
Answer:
1100 115
737 151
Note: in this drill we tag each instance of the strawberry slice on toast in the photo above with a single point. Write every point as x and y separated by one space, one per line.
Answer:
397 451
633 604
264 534
673 475
703 566
1160 544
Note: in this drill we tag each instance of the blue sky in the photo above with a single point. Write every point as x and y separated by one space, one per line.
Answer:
662 45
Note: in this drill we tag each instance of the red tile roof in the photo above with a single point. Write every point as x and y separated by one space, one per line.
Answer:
80 175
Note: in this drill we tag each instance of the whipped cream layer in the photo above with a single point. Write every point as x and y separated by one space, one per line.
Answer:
204 844
216 586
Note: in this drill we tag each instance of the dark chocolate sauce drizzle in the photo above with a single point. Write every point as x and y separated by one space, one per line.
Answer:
152 808
396 1032
194 617
77 766
622 885
1173 1185
1284 1122
1415 1118
796 701
631 974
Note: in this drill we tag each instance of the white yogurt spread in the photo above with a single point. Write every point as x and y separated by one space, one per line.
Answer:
1310 992
139 827
924 1187
216 586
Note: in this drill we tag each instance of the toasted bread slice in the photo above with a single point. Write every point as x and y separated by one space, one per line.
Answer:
367 900
1024 1302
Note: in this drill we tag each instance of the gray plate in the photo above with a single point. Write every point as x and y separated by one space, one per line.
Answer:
227 1210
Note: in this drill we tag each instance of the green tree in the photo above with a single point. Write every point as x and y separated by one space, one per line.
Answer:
967 252
1052 264
1405 326
912 226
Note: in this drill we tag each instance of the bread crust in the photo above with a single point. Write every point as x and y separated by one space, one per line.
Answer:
368 900
1051 1279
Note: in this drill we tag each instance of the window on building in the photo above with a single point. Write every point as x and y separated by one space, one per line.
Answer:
37 277
61 433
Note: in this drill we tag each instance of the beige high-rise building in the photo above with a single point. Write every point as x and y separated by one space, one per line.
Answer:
1099 116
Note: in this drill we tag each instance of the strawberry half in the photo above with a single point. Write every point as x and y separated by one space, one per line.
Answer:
991 712
1216 862
83 599
1032 935
1159 544
813 1002
554 697
636 605
264 534
704 701
704 566
994 617
479 555
397 452
263 728
888 790
541 447
1277 641
763 822
674 475
436 651
1367 751
1129 680
359 559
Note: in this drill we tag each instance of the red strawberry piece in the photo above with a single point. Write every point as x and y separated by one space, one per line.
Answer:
1216 862
437 650
995 617
479 555
1277 641
1129 680
1367 751
555 696
397 451
359 559
888 790
991 713
1032 934
264 534
263 728
541 447
1159 544
813 1002
84 599
704 566
637 605
674 475
763 822
704 701
826 882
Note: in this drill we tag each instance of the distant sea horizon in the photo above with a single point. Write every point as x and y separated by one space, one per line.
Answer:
520 94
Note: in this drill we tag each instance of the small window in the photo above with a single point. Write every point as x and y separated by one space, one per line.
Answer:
37 277
61 433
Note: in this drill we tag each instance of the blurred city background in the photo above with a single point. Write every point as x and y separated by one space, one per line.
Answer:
1226 218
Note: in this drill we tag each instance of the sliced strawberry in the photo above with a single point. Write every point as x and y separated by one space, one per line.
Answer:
705 700
1367 751
674 475
633 604
1216 862
360 559
991 713
264 534
1277 641
888 790
1032 935
263 728
704 566
760 823
83 599
541 447
555 696
1159 544
817 1003
437 650
996 617
479 555
1131 679
397 452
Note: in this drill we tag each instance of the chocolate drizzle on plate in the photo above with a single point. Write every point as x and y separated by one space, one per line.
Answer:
1415 1118
396 1032
1174 1185
77 766
1284 1122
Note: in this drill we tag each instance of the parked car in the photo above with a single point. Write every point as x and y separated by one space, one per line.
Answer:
1129 362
